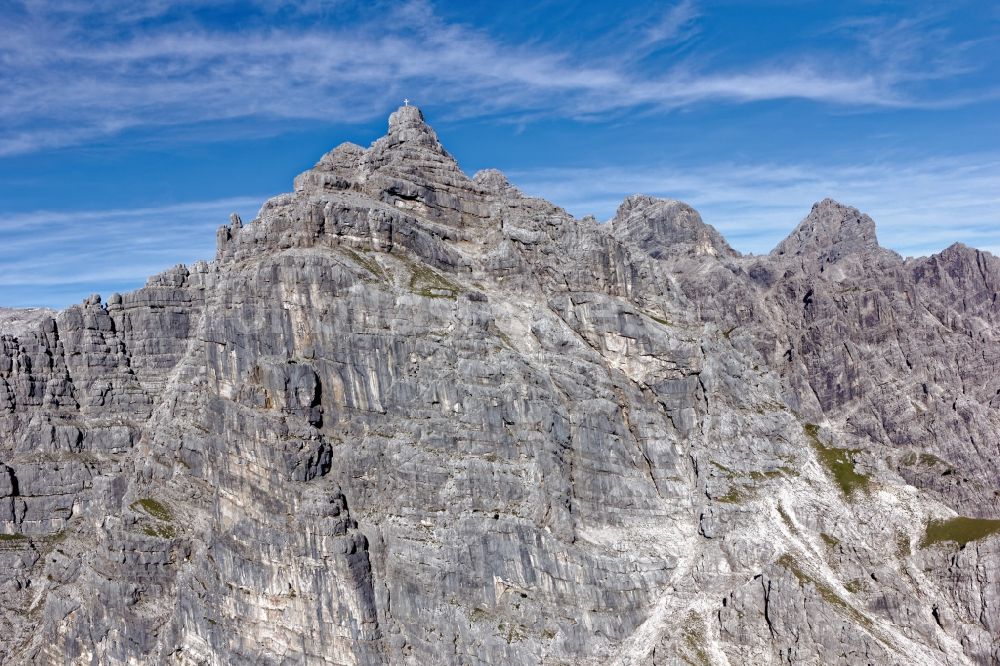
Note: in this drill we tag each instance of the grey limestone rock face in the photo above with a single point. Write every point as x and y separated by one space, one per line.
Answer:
662 228
829 232
16 321
411 417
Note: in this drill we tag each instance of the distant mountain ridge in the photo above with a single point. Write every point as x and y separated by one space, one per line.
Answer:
410 417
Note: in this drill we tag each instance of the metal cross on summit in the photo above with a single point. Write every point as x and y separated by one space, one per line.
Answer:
406 102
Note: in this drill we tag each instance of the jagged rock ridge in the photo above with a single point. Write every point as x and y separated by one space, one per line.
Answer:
408 417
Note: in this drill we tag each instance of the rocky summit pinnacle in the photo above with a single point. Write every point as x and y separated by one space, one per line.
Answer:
667 227
407 125
831 230
409 417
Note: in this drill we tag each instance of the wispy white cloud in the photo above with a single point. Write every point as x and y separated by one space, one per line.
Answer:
61 256
920 207
671 24
71 72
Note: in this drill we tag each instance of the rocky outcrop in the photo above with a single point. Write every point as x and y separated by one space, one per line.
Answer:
667 228
830 232
409 417
18 321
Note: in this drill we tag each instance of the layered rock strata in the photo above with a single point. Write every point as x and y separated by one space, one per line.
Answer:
409 417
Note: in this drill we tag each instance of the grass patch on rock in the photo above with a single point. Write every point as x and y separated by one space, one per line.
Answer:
725 470
744 486
838 462
367 263
903 545
960 530
773 474
512 633
693 633
854 586
160 531
658 320
913 459
426 282
153 508
785 518
478 615
827 593
736 495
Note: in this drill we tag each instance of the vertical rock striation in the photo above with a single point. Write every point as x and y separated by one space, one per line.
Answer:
411 417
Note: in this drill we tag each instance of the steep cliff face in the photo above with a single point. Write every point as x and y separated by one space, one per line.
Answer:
408 417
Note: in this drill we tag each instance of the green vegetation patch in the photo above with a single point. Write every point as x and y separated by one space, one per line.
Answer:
736 495
367 263
831 541
505 339
913 459
961 530
694 637
931 460
153 508
773 473
725 470
658 320
854 586
838 463
160 531
786 518
769 406
425 282
826 593
12 537
514 632
903 545
744 488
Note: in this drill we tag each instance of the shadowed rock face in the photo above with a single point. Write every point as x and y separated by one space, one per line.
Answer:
408 417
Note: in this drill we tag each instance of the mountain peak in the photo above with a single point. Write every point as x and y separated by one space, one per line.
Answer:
407 126
406 115
667 227
831 230
407 168
420 418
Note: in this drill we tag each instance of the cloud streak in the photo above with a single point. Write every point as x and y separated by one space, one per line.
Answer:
76 72
674 22
920 208
60 256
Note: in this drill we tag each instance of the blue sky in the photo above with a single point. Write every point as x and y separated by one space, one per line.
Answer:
129 131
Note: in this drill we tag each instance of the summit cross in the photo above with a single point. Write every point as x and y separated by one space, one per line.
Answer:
406 102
